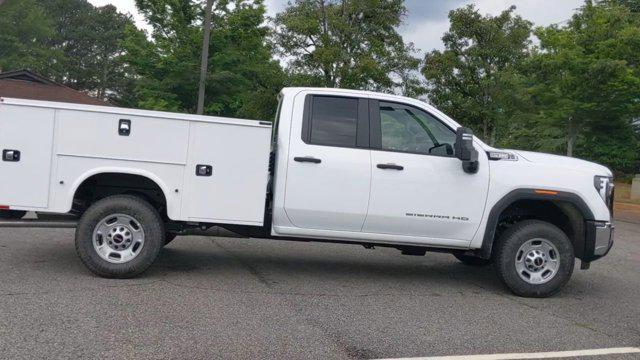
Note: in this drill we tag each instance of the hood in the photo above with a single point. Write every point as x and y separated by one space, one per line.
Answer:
563 162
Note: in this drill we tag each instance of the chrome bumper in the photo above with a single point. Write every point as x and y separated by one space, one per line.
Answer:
603 238
598 241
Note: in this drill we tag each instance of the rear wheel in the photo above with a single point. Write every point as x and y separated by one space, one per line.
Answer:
119 236
12 214
534 259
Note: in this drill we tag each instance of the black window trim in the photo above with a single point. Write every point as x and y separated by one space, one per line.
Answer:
375 139
362 122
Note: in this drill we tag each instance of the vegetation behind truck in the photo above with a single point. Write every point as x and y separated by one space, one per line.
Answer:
338 165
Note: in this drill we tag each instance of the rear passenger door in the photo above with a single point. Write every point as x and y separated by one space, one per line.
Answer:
329 165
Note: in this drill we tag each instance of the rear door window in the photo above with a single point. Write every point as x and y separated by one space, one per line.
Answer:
334 121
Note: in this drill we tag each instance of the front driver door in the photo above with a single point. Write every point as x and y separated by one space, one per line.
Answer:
418 187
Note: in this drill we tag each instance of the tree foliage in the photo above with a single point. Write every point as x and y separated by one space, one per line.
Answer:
243 78
577 91
586 84
25 30
476 78
348 44
70 41
90 38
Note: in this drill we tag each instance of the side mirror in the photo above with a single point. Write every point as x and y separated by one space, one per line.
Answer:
465 151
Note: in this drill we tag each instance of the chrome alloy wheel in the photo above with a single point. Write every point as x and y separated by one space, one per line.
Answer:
118 238
537 261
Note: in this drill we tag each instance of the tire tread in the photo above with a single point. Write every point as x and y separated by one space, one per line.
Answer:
512 238
129 204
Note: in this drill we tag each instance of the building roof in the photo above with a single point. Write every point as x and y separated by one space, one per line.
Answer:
25 84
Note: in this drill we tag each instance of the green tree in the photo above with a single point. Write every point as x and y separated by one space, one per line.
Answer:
476 78
348 44
243 78
25 30
91 39
70 41
586 83
632 5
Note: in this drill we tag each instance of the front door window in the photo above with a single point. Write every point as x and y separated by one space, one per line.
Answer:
408 129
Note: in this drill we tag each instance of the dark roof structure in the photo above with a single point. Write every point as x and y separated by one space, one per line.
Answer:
25 84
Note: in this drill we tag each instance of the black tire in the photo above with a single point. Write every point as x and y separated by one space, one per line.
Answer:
12 214
147 217
168 237
507 248
472 260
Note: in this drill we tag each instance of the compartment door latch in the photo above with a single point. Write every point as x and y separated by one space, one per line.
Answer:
124 128
204 170
11 155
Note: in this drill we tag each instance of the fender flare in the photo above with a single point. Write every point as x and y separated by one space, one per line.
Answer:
120 170
527 194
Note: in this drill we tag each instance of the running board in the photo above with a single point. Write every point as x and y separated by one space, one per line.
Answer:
36 223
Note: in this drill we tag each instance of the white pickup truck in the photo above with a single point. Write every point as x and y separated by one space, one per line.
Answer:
341 166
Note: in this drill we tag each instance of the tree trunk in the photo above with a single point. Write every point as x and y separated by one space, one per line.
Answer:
492 142
205 56
572 135
485 129
329 79
102 90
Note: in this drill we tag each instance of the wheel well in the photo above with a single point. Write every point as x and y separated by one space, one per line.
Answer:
563 214
102 185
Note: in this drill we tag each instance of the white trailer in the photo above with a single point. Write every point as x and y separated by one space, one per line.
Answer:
338 165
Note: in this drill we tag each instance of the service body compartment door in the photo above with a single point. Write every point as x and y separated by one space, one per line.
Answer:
227 173
29 132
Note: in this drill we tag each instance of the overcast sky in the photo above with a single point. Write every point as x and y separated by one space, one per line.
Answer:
427 19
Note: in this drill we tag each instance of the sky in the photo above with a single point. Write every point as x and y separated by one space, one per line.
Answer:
427 20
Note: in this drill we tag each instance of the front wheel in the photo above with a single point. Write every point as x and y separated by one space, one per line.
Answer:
119 236
534 258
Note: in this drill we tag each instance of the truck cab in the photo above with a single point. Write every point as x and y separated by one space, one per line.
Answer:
372 167
336 165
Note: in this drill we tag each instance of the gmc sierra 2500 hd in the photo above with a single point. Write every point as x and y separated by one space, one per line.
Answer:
343 166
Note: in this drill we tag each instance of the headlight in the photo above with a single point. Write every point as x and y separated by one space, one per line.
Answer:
604 186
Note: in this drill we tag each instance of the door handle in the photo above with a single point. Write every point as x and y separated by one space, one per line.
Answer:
308 159
11 155
390 166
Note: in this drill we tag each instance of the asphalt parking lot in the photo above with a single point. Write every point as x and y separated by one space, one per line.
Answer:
216 298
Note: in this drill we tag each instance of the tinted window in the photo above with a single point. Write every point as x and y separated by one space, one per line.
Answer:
409 129
334 121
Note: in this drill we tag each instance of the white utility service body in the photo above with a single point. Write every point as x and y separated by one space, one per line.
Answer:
337 165
62 145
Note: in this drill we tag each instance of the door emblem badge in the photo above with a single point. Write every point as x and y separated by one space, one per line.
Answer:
436 216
